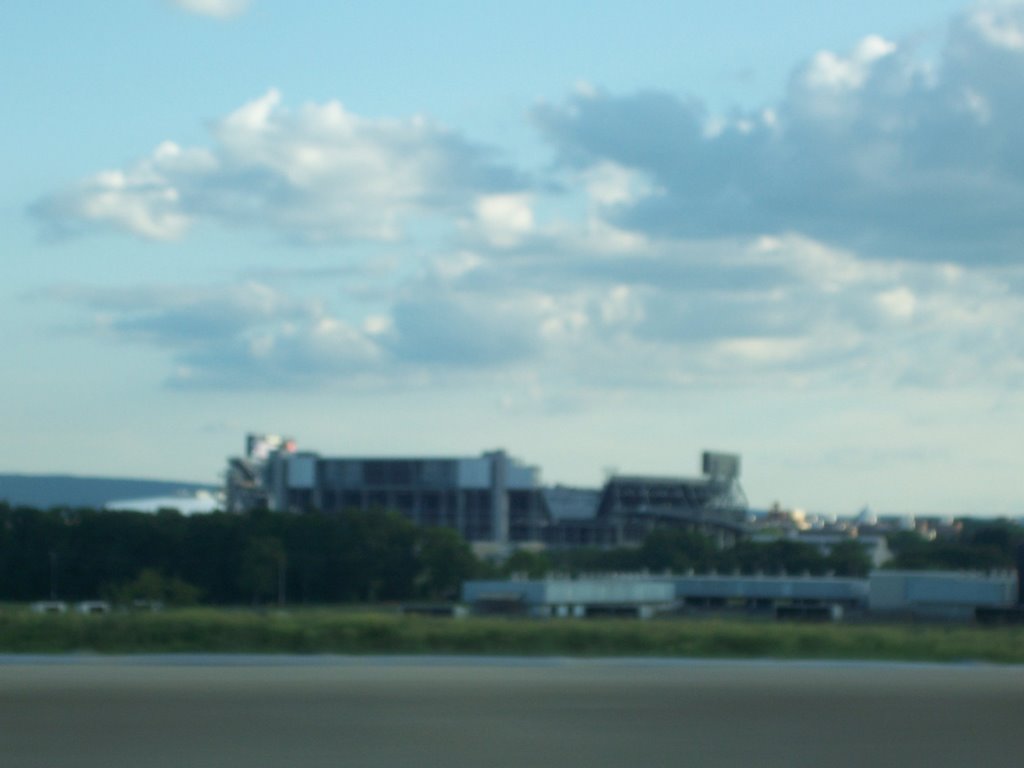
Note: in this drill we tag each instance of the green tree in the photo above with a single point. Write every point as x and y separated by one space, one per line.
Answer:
262 569
377 555
849 558
783 555
678 550
445 561
534 565
153 586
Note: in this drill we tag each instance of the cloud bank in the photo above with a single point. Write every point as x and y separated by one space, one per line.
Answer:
864 231
671 315
872 150
876 150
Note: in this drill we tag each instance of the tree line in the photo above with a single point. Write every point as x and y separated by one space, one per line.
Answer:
359 556
681 551
220 558
982 545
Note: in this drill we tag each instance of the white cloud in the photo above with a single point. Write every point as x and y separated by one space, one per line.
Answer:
762 351
827 70
319 173
828 269
220 9
133 201
242 336
504 220
897 303
977 105
143 199
998 29
610 184
451 267
621 307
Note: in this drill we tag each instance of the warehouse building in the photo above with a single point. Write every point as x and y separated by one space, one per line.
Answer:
645 595
577 598
940 594
945 595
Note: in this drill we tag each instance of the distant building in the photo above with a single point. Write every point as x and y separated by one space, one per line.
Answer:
487 498
491 498
940 594
629 507
643 595
248 480
632 595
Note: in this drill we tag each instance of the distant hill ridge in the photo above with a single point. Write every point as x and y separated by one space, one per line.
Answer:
45 491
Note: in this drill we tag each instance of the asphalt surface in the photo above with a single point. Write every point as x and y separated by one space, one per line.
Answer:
309 712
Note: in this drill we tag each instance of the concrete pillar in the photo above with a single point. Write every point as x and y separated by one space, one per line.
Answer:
499 496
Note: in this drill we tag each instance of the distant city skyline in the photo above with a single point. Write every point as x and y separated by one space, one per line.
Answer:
594 235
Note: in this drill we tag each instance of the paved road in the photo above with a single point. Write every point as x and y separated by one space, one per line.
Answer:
306 713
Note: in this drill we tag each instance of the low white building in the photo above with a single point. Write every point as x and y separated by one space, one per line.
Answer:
200 502
940 594
627 595
646 595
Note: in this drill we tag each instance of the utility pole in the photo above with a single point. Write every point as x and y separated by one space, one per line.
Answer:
282 562
53 574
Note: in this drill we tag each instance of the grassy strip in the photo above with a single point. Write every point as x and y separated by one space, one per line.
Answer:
347 632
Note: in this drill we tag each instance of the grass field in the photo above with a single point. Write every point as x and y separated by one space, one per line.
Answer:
346 631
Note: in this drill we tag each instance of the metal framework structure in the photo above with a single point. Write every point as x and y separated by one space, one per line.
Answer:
631 506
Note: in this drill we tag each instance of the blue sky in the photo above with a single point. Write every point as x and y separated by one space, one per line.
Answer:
596 234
